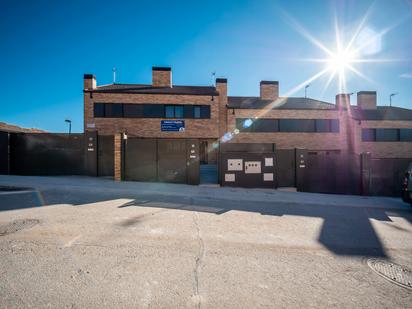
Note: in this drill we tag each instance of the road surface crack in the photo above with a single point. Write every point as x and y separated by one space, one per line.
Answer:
198 261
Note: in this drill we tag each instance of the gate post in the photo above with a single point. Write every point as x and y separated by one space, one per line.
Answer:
91 152
300 167
192 162
118 156
365 172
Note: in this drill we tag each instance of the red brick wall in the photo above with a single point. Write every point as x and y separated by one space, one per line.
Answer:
290 140
195 128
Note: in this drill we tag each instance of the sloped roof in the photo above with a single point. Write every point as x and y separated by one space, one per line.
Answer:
382 113
280 103
149 89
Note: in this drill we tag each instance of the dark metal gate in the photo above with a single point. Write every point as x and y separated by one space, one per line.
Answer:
332 173
105 159
286 167
164 160
4 153
386 176
47 154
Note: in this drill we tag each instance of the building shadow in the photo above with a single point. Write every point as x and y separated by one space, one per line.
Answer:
346 230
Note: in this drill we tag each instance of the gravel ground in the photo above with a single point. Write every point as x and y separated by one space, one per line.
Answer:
99 243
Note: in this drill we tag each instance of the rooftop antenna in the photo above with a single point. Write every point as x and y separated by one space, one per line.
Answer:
213 78
114 75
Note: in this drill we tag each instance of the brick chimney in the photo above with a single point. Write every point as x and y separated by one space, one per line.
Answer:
162 77
269 90
221 87
342 101
89 81
366 99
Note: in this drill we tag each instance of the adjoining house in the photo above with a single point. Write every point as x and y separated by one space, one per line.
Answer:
168 113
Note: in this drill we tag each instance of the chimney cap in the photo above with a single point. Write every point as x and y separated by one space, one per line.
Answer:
221 80
269 82
366 92
89 76
161 68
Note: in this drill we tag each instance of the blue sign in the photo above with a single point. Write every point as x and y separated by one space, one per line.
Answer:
172 125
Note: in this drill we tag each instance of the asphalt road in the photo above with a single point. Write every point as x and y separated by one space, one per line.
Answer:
137 245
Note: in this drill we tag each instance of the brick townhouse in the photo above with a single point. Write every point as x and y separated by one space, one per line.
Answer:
207 113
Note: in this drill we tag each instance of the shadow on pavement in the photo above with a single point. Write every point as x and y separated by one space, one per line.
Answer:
346 230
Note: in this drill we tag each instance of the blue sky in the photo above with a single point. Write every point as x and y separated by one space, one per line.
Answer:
47 46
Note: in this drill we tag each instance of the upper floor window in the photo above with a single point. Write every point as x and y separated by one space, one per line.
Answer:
129 110
287 125
174 111
386 135
196 111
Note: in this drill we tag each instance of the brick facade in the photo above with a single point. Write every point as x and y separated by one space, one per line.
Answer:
144 127
289 140
223 119
118 157
383 149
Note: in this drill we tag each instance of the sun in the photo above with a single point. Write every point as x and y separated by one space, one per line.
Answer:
351 50
340 61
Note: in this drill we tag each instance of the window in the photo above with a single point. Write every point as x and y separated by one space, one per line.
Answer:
153 111
98 109
133 110
297 125
244 124
174 111
387 135
169 111
205 111
150 110
179 111
113 110
368 135
287 125
405 135
265 125
323 125
196 111
334 125
327 125
188 111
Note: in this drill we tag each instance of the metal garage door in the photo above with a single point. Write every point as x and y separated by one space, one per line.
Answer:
141 159
172 160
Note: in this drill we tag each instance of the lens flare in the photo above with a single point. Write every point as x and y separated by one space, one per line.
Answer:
340 61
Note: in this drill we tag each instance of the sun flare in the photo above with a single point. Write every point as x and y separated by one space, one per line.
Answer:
340 61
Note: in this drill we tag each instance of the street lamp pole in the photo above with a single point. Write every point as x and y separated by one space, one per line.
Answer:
306 87
70 125
390 98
